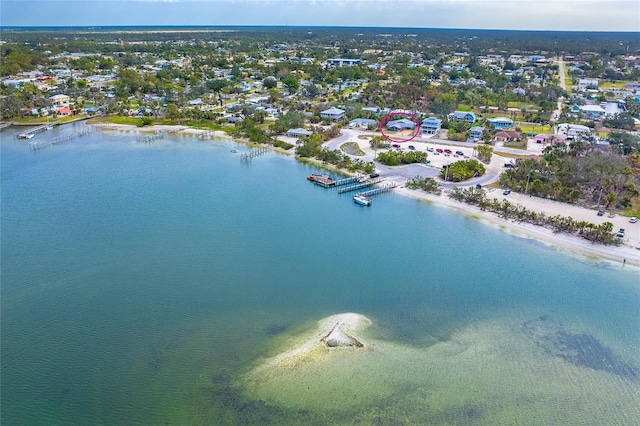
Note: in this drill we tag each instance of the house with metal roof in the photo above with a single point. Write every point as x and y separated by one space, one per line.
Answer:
467 116
431 126
333 113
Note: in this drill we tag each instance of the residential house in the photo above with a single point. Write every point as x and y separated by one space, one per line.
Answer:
431 126
500 123
572 131
63 112
592 112
583 83
343 62
476 133
59 101
508 136
542 138
333 113
401 124
296 133
469 117
362 122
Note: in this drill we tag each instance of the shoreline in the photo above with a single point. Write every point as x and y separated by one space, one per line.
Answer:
567 243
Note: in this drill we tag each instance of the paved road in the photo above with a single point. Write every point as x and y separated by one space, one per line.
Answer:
556 114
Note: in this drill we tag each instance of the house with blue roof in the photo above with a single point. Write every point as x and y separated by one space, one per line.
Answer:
431 126
500 123
476 132
469 117
401 124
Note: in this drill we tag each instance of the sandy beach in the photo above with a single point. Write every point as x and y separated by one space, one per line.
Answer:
625 255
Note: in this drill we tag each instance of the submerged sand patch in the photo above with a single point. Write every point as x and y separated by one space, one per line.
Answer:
491 372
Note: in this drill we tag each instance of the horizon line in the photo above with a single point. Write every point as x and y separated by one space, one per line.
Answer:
61 27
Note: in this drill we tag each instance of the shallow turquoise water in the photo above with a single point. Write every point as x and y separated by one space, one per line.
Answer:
138 280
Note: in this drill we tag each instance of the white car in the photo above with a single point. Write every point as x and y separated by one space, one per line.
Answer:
633 220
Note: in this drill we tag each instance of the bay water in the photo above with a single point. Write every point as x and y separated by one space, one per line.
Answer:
141 282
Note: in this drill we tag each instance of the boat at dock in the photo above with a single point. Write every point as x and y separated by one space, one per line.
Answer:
322 180
25 135
362 200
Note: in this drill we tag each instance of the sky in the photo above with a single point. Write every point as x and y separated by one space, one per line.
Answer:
567 15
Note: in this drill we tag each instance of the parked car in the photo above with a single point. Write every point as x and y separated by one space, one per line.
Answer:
430 149
459 152
374 175
395 145
411 147
612 214
448 151
506 192
620 233
509 165
600 212
439 151
387 145
633 220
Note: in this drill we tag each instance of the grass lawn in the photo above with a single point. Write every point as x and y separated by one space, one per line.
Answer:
535 128
516 145
613 84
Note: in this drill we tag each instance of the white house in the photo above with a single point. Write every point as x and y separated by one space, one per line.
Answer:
572 131
333 113
59 101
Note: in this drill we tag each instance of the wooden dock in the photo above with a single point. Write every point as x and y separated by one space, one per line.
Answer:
37 145
346 181
379 190
5 125
358 186
33 131
254 153
151 138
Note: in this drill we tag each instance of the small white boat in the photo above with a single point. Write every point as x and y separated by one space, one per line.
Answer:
25 135
234 151
362 200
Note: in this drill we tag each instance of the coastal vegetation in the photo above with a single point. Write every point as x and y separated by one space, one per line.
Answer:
578 173
462 170
601 234
396 157
428 185
311 147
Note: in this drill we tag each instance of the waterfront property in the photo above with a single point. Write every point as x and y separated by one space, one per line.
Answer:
430 126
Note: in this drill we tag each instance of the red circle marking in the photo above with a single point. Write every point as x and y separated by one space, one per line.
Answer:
386 118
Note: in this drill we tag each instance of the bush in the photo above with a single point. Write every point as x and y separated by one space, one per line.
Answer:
282 144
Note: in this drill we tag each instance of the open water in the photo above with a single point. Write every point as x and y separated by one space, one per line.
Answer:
140 283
